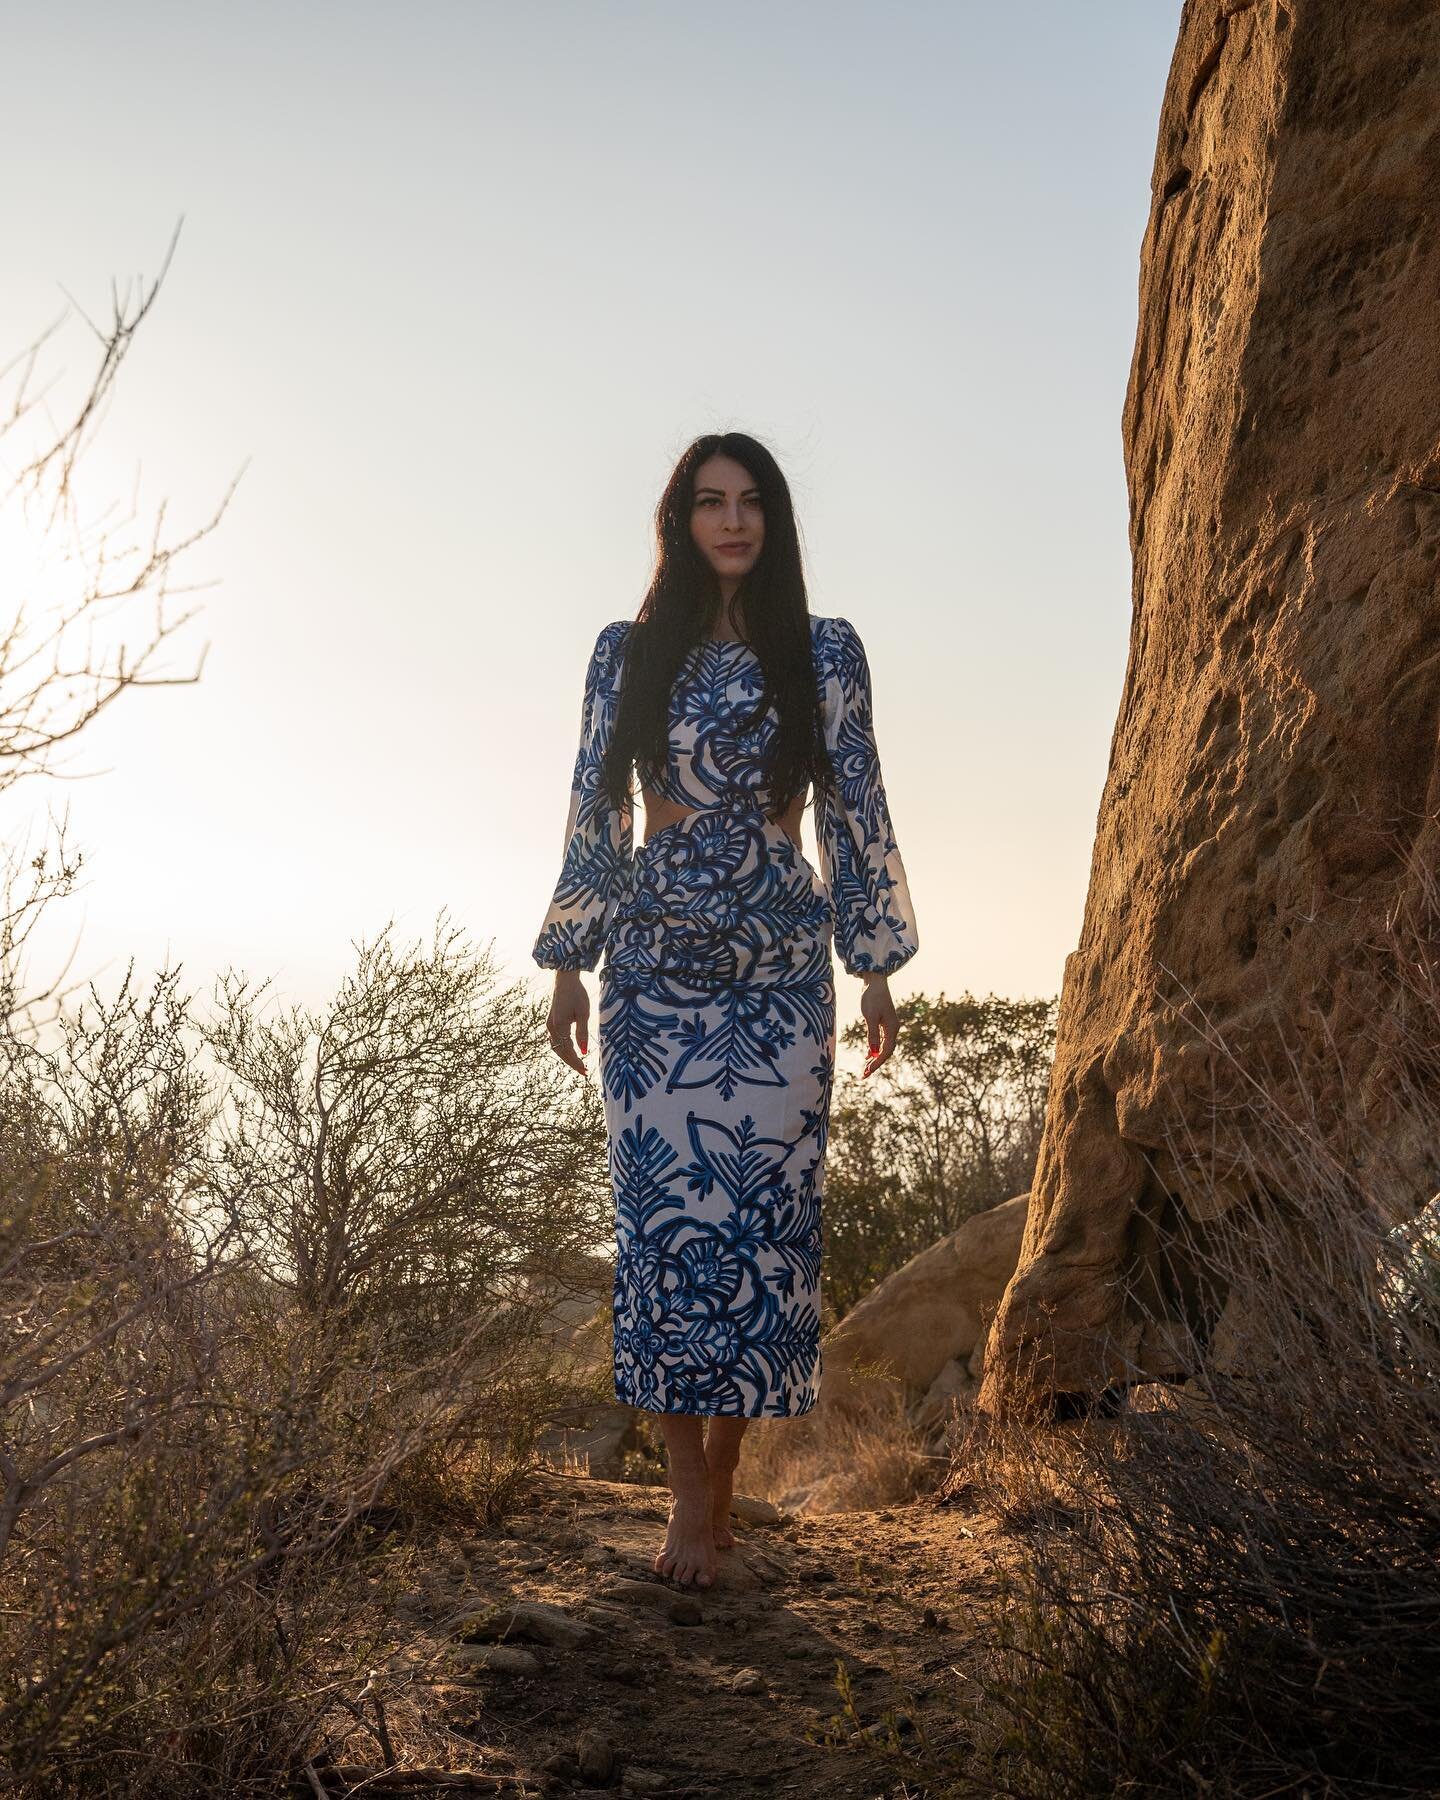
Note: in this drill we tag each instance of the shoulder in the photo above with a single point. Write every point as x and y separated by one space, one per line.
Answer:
612 637
837 647
607 655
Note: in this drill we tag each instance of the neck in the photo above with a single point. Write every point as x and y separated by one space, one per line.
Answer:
725 624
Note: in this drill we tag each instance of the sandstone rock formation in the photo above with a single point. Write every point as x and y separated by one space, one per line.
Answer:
924 1327
1272 789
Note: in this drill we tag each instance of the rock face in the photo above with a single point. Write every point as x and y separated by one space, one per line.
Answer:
1272 788
925 1326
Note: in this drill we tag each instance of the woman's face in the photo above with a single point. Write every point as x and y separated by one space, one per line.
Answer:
726 519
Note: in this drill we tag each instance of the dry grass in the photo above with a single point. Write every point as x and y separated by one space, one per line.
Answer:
1233 1587
868 1455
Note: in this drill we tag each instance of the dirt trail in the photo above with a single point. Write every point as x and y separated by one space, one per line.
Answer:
733 1690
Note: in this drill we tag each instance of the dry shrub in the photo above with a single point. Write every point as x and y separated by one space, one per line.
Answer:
272 1290
841 1460
1233 1586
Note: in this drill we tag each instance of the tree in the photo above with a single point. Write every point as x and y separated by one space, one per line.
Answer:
70 583
950 1126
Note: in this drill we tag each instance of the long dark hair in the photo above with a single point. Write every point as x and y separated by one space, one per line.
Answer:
681 608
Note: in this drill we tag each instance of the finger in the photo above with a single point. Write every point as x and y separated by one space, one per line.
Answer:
565 1050
882 1042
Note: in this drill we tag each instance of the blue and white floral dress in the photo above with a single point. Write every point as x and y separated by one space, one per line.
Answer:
717 1020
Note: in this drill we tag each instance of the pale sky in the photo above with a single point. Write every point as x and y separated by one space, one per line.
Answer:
457 283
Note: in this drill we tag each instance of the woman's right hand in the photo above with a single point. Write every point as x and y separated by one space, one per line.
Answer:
569 1013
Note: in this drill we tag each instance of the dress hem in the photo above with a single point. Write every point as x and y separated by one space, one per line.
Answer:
698 1412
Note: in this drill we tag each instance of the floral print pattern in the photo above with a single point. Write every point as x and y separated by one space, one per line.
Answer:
717 1019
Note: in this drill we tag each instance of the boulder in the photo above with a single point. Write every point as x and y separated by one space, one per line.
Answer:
1273 796
928 1315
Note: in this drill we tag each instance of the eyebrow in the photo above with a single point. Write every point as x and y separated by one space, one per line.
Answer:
716 490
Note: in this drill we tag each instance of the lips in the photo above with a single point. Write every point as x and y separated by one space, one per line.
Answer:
731 549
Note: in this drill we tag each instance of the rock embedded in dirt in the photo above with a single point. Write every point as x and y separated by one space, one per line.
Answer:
754 1512
596 1756
601 1613
532 1621
879 1732
499 1659
643 1781
747 1681
680 1609
621 1670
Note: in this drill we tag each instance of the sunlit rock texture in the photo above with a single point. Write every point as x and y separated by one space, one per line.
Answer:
1272 786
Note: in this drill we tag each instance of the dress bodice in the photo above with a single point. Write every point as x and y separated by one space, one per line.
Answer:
717 756
716 765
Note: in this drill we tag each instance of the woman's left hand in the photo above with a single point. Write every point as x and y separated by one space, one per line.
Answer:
878 1011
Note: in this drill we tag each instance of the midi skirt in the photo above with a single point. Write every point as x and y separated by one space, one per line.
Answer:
716 1059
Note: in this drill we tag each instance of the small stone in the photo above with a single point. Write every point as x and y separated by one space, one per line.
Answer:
643 1781
680 1609
534 1621
595 1755
561 1763
499 1659
596 1557
754 1512
747 1681
932 1621
880 1732
820 1572
600 1612
796 1652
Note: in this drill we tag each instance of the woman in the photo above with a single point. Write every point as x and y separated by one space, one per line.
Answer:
717 999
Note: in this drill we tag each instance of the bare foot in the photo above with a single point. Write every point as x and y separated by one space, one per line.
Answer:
688 1553
722 1486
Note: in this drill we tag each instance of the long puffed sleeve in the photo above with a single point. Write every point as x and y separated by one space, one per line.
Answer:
599 837
859 858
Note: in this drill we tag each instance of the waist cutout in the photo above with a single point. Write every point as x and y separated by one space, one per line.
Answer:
721 895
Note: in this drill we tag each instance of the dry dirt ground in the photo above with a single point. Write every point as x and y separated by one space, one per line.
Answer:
828 1659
